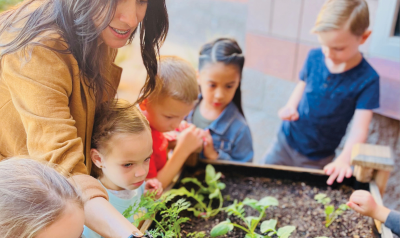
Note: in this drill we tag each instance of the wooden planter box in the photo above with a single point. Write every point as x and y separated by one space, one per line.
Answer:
372 176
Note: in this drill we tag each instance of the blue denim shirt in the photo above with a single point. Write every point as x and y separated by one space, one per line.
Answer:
231 135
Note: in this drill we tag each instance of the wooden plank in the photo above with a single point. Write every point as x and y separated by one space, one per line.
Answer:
267 166
372 156
385 232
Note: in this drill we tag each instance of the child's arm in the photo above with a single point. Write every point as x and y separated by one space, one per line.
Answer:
189 140
362 202
289 111
242 148
104 219
340 168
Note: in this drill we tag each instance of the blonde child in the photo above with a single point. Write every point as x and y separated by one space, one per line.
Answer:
362 201
165 109
337 84
36 201
219 113
121 150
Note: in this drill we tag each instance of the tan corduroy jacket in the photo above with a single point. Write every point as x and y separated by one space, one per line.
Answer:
47 111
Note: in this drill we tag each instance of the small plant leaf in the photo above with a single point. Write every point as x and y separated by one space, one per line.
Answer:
221 229
286 231
192 180
214 194
329 209
251 203
221 186
269 225
319 196
344 207
210 173
268 201
251 221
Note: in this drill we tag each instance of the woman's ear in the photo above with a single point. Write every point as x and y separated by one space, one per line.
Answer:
143 104
96 158
198 77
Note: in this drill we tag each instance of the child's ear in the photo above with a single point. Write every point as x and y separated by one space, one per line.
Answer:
96 158
365 36
143 104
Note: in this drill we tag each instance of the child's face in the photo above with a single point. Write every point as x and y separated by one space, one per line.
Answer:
165 113
340 46
69 225
218 83
126 164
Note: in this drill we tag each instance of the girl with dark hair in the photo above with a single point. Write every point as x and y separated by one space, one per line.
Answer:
219 112
56 67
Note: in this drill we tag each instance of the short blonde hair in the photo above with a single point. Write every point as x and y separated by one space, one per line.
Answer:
116 117
176 79
337 14
32 197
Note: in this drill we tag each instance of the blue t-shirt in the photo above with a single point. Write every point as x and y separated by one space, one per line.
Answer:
328 104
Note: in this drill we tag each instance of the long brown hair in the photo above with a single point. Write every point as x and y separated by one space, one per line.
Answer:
32 197
74 21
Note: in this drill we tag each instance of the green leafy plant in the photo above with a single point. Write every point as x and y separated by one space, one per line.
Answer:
330 213
170 223
196 234
251 222
211 191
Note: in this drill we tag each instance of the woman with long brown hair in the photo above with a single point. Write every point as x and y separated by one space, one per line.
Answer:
56 67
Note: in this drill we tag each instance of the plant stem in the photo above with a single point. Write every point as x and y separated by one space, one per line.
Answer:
160 225
241 227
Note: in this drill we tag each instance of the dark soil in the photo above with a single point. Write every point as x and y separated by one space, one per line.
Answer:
296 207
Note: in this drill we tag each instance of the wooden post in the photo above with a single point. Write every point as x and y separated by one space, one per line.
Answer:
372 162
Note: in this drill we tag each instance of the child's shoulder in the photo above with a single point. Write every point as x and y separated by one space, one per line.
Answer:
237 117
367 70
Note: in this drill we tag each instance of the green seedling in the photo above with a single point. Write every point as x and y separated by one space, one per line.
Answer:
211 191
330 213
251 222
196 234
170 224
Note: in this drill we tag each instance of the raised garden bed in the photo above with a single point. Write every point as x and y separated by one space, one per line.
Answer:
295 190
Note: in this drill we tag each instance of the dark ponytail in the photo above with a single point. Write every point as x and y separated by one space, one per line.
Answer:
227 51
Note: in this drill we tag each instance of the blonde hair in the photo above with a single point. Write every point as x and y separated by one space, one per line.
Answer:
176 79
32 197
119 117
348 14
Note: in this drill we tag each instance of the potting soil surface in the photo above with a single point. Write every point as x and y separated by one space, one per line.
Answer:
297 207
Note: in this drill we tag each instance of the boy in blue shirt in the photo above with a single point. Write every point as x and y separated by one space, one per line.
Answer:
337 84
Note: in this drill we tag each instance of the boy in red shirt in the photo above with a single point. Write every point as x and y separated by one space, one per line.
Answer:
175 96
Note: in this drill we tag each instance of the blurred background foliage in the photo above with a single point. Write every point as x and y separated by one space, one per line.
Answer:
5 4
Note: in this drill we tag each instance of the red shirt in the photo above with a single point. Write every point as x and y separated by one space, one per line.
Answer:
159 157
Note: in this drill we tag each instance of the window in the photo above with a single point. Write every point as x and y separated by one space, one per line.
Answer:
385 42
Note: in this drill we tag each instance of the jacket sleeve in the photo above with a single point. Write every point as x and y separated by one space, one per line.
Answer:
242 148
40 88
393 222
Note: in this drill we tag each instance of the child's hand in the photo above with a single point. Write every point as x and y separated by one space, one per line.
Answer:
154 185
362 202
287 113
208 150
190 139
183 125
337 169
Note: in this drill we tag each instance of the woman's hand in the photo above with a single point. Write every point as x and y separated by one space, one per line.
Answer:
154 185
208 149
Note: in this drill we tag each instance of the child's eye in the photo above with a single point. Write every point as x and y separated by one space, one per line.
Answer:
168 117
127 165
147 160
338 49
229 86
211 85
